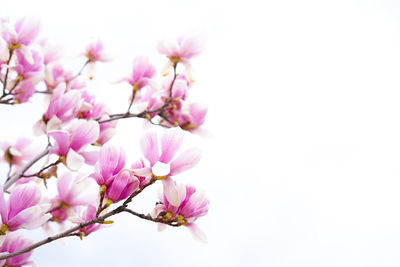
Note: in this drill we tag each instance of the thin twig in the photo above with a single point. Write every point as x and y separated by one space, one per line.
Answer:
22 171
70 232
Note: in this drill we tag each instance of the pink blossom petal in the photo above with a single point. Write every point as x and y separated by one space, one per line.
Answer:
170 143
90 157
197 233
74 160
86 133
62 142
144 172
3 206
171 192
161 169
187 160
161 227
30 218
23 196
149 147
112 160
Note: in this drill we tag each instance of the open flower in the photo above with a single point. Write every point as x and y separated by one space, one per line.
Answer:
72 192
25 208
70 145
86 214
15 242
142 73
180 50
111 162
191 204
165 163
17 154
21 35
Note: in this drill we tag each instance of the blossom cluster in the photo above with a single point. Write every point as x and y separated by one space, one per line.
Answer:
91 177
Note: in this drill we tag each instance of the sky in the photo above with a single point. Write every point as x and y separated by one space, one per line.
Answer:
302 151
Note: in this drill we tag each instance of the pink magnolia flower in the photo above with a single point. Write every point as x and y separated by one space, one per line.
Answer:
143 180
63 107
95 52
23 92
122 186
70 145
90 109
142 73
51 53
21 35
163 165
72 192
19 153
25 208
111 162
86 214
183 48
55 75
30 71
180 50
15 242
24 31
107 130
191 205
195 118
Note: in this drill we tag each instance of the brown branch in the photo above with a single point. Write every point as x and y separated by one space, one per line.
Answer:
144 114
11 50
22 171
39 173
80 71
70 232
149 218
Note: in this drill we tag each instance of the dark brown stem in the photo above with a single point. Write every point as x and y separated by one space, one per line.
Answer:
39 173
100 219
144 114
21 172
149 218
7 71
80 71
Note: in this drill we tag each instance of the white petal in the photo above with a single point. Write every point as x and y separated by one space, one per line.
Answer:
161 169
161 227
197 233
74 160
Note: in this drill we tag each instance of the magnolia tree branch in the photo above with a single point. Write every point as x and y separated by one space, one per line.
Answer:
97 219
22 171
144 114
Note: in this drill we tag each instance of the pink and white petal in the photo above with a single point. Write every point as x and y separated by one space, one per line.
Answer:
64 185
22 197
197 233
27 53
62 142
143 172
171 192
30 218
111 159
3 206
171 141
149 146
91 157
74 160
161 227
187 160
53 124
86 133
161 169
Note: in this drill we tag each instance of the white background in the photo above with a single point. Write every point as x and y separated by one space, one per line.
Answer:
302 163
